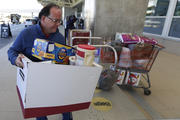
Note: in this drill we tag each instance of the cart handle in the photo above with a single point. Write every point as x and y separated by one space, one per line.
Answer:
160 46
99 38
97 65
115 53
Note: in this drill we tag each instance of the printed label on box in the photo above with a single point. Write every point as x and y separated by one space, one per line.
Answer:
47 50
121 77
135 78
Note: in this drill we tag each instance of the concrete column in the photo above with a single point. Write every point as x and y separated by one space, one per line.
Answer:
105 17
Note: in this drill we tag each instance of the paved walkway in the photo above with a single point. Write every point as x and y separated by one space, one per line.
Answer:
127 104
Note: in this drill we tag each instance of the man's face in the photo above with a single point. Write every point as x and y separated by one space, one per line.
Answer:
52 21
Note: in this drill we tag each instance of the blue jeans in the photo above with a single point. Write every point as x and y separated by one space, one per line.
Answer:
42 118
66 116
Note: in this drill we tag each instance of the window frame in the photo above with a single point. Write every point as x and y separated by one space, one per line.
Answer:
168 21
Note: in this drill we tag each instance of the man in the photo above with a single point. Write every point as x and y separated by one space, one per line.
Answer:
70 24
47 28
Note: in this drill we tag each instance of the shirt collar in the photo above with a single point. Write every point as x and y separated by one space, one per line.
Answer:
42 34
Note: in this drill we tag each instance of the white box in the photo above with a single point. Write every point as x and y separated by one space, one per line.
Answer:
45 88
121 77
135 78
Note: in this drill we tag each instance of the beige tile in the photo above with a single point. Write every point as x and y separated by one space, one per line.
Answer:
165 79
11 116
9 101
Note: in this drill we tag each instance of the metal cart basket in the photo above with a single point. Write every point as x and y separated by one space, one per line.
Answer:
138 60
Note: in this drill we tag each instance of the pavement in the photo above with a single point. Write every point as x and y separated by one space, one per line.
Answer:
127 103
15 29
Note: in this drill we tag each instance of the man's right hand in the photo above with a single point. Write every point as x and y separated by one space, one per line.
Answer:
18 61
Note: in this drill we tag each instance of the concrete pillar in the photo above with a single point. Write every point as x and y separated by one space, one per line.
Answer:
69 11
106 17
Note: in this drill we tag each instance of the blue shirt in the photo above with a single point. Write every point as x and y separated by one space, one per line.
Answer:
25 41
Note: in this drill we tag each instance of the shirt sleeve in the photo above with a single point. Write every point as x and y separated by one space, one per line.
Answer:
16 48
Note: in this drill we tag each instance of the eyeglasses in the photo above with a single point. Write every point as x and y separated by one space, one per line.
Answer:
55 20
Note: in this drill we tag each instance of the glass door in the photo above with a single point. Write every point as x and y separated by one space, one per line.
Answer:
175 25
155 16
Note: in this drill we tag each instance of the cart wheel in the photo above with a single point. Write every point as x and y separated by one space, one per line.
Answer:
147 92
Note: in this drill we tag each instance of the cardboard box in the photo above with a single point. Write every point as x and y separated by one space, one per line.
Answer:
45 88
43 49
48 50
130 38
135 78
121 77
127 38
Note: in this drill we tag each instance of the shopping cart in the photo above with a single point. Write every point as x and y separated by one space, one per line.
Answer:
79 36
139 63
136 62
73 34
129 66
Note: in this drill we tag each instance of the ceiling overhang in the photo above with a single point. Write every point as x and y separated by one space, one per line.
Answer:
62 3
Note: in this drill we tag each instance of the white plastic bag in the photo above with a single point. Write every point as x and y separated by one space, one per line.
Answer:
125 58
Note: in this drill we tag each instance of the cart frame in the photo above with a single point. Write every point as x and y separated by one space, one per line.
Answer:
143 71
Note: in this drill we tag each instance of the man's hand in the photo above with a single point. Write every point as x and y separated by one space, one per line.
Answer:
18 61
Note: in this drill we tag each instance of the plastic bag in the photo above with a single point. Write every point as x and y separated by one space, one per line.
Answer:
125 58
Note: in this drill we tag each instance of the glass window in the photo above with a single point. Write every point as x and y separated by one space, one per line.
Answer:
175 28
177 10
175 25
154 25
157 8
155 16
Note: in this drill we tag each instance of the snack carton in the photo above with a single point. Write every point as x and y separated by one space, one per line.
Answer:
48 50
